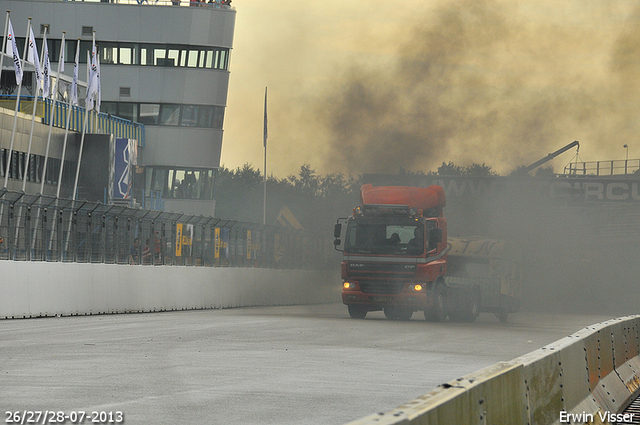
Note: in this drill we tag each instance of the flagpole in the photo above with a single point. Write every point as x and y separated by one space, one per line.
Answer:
53 108
4 41
35 100
15 114
84 128
51 114
4 50
264 178
73 99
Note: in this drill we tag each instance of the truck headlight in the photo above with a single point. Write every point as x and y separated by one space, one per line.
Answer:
348 285
416 287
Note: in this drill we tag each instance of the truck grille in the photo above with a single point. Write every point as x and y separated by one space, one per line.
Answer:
381 287
381 270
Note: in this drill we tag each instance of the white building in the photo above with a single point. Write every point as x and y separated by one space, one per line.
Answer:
162 65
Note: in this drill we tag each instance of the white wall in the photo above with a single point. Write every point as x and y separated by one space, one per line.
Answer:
33 289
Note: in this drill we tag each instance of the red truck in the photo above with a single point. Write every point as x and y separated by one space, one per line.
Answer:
397 258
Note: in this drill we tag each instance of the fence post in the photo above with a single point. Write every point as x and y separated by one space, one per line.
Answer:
89 239
152 237
163 238
116 241
74 228
203 241
11 233
27 224
60 235
45 239
103 239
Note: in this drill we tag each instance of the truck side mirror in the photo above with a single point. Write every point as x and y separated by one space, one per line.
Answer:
337 230
435 237
337 241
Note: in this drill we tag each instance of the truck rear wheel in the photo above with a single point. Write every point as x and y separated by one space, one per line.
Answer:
357 311
502 315
472 308
437 312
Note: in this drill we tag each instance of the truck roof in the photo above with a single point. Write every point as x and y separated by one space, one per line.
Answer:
422 198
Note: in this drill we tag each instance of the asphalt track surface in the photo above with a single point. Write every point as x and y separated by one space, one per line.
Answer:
261 365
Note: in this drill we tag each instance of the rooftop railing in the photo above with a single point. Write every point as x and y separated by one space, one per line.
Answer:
99 123
176 3
603 168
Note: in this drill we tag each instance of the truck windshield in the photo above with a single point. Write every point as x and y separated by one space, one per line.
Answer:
374 237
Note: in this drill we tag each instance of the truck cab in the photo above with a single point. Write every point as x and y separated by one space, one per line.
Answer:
394 259
397 258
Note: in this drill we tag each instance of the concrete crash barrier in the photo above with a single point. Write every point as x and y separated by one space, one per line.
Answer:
587 377
39 289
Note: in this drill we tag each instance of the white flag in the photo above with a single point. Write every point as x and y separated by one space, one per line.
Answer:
32 56
74 82
46 70
62 46
93 73
98 87
88 100
12 50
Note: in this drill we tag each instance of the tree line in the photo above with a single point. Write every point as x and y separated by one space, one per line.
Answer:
315 200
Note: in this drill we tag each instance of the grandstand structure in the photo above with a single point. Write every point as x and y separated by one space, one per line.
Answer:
164 75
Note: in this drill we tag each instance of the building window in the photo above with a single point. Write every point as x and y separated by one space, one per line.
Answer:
110 108
180 183
127 111
204 116
193 58
169 114
108 53
218 118
149 113
173 56
34 167
145 54
189 116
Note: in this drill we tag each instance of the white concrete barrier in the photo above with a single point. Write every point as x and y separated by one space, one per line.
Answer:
34 289
583 378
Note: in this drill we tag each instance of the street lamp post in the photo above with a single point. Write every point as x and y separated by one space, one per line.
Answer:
626 160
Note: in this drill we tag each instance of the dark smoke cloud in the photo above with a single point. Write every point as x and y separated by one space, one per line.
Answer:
476 82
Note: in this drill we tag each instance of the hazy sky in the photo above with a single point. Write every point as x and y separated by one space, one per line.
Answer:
359 86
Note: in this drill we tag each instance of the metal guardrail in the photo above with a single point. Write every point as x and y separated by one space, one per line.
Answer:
603 168
57 111
44 228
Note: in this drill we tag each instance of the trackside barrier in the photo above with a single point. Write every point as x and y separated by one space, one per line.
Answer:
583 378
41 289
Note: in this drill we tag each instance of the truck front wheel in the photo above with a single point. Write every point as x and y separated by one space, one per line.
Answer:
398 313
405 314
391 313
437 312
357 311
